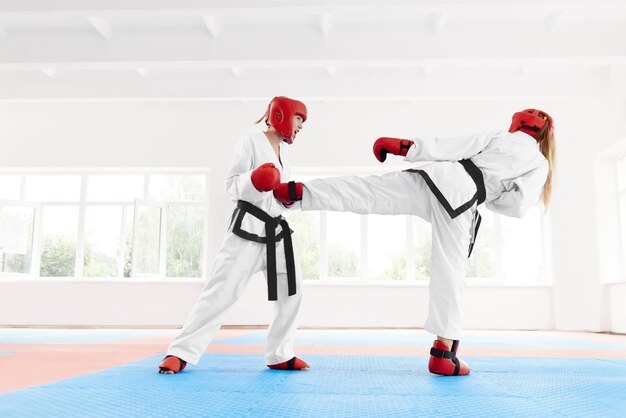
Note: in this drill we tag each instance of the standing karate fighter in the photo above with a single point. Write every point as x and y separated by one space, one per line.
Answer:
252 245
510 171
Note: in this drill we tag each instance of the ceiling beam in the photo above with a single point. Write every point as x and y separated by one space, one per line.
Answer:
438 22
211 25
554 63
325 23
49 72
126 8
101 26
554 20
407 82
143 72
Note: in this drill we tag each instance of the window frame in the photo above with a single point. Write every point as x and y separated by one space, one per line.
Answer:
83 204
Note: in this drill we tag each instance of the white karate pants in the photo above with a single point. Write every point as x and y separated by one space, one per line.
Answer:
236 262
406 193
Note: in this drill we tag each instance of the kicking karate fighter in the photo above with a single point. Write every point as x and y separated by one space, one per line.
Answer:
252 244
509 171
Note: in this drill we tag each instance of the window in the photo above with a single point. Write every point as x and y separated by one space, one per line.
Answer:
16 237
103 224
59 235
385 247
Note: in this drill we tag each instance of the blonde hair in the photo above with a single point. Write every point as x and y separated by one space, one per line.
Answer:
547 148
261 119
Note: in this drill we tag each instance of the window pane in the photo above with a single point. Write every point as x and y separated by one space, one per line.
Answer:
102 241
482 263
52 188
344 244
184 241
177 187
10 187
146 242
16 238
58 241
521 246
422 242
387 247
306 240
128 241
115 188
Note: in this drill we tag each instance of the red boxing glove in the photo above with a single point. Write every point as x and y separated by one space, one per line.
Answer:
395 146
288 193
266 177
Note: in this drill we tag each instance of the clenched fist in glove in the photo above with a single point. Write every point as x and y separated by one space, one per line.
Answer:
395 146
265 177
288 193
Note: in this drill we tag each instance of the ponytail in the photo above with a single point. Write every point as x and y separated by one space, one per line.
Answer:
260 119
547 148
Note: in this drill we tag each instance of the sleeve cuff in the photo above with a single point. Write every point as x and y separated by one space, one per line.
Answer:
247 191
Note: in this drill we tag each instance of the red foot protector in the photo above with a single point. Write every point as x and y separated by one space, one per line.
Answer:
288 193
293 364
445 362
173 364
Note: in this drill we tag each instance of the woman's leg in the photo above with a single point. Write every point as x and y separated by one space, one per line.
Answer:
450 244
282 329
236 261
396 193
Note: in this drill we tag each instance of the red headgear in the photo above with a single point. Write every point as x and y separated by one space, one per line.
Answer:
280 113
531 121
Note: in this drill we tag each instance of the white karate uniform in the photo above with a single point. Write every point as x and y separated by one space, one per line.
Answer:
238 259
514 172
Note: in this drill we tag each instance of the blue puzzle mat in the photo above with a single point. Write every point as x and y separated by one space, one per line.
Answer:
238 385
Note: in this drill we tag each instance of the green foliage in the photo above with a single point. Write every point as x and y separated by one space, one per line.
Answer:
16 263
98 264
342 261
147 240
397 270
57 256
306 242
184 242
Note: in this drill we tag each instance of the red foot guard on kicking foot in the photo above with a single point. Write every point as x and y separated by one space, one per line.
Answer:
445 362
171 365
293 364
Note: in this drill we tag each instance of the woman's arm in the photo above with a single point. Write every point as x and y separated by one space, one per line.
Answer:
448 149
521 194
239 183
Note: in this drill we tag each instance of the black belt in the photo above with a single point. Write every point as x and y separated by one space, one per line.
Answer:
477 176
478 198
270 239
481 194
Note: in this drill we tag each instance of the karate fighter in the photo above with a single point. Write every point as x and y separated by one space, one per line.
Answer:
509 171
258 239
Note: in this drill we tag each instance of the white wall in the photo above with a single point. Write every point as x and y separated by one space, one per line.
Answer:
338 133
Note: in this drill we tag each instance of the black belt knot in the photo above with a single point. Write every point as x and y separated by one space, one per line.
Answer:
270 239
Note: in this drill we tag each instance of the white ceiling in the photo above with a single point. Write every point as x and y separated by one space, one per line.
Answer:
222 50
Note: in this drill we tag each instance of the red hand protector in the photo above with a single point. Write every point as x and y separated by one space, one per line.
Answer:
266 177
287 197
395 146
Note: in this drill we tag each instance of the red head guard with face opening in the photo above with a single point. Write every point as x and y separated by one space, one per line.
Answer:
280 113
531 121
